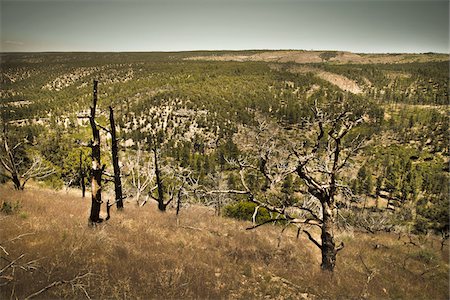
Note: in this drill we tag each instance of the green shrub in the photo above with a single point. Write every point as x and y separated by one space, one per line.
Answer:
53 182
243 210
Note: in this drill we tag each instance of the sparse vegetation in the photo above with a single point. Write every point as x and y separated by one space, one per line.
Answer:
143 252
188 125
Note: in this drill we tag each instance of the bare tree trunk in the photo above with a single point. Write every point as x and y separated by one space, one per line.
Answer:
161 205
219 206
96 170
16 182
328 248
17 185
115 161
12 168
82 175
179 201
37 168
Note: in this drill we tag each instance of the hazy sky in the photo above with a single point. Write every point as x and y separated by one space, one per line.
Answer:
175 25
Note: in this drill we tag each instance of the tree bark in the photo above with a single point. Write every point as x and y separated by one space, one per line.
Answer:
16 181
328 245
179 201
17 185
96 170
115 161
161 205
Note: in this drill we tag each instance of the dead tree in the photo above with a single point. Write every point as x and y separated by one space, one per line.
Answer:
318 160
162 204
185 183
14 168
217 200
174 184
141 173
96 168
319 169
9 163
115 161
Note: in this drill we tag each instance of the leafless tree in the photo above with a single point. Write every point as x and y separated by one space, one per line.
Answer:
115 161
186 185
162 192
16 169
217 200
166 191
322 152
141 173
97 168
150 174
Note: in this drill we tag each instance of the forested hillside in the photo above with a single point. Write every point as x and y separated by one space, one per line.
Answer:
249 133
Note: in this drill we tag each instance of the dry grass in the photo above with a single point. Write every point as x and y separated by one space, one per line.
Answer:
141 253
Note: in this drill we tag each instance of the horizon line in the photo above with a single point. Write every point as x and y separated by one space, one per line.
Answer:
213 50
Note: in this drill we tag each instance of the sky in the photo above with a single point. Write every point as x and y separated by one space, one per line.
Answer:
362 26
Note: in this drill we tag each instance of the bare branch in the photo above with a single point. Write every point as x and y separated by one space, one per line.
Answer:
20 236
11 264
264 223
103 127
255 214
313 240
57 283
340 247
227 192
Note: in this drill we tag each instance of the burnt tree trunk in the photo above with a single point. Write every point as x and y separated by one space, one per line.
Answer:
82 175
179 201
160 187
328 248
115 161
96 169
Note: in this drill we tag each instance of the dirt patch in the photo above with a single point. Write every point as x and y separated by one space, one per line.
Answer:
340 81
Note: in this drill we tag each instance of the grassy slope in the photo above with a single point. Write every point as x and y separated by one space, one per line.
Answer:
141 253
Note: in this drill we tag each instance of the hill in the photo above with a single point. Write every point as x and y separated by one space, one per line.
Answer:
337 152
141 253
334 57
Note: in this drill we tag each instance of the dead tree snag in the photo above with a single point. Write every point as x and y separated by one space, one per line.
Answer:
162 205
115 161
318 158
15 169
96 168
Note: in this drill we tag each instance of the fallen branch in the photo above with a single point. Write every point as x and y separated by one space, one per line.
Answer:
192 228
19 236
4 250
72 282
370 275
11 264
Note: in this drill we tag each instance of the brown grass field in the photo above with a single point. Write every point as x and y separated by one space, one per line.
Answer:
141 253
